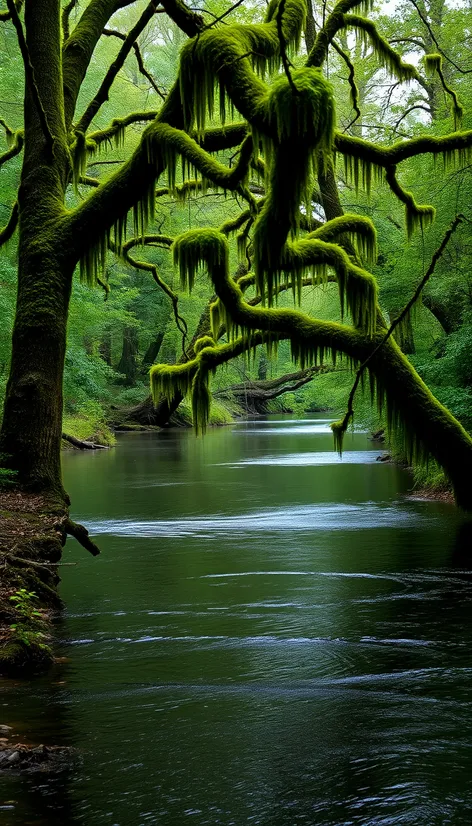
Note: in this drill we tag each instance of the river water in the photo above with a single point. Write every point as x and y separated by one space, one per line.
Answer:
271 636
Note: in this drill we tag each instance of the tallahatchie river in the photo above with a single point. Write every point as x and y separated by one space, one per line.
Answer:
271 636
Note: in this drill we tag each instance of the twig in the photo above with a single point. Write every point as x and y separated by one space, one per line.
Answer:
139 59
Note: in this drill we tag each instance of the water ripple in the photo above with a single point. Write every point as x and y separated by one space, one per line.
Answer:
333 517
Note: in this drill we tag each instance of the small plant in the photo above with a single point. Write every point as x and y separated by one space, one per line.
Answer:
29 629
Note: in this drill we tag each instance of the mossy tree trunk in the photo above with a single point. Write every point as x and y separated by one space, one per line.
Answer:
32 421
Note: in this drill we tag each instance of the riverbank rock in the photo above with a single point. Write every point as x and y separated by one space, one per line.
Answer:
20 758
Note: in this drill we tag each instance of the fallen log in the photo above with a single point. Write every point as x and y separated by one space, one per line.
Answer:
81 445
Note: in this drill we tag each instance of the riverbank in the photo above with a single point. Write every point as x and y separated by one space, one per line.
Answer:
33 534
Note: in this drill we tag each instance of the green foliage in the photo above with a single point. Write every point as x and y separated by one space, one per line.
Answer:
29 628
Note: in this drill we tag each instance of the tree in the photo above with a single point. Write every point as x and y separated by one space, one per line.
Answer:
286 135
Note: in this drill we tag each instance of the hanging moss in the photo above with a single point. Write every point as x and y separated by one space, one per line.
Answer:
432 62
433 65
204 341
225 61
387 57
357 228
417 216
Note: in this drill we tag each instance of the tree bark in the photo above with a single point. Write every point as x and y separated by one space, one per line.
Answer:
127 364
152 352
30 438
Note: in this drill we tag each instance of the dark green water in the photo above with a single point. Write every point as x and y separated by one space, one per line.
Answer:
270 636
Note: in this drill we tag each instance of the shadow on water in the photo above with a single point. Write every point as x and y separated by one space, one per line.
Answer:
269 637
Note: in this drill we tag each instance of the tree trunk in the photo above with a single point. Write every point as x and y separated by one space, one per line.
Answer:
127 364
30 439
152 352
104 348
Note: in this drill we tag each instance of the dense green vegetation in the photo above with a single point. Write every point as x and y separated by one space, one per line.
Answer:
265 197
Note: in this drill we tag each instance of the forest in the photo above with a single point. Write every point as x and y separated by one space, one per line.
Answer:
219 213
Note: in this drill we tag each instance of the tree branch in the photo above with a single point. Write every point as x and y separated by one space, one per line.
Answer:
29 73
7 231
139 59
103 93
16 146
343 425
66 13
187 20
80 46
81 534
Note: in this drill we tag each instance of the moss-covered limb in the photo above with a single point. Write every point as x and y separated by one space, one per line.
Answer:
424 425
185 18
7 231
354 91
165 145
433 63
340 428
87 180
139 59
333 24
80 46
416 215
103 92
357 228
218 59
16 143
386 56
303 127
456 147
115 130
81 534
156 240
192 378
224 137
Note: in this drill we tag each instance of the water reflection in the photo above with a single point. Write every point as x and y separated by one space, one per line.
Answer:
266 639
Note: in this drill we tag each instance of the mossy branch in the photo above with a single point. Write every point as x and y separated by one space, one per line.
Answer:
416 215
456 147
29 73
80 46
16 142
115 130
186 19
6 233
433 63
103 93
386 56
339 428
333 24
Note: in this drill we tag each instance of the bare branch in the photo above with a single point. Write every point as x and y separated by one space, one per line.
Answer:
139 59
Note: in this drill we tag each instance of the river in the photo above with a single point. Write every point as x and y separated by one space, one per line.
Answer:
271 636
